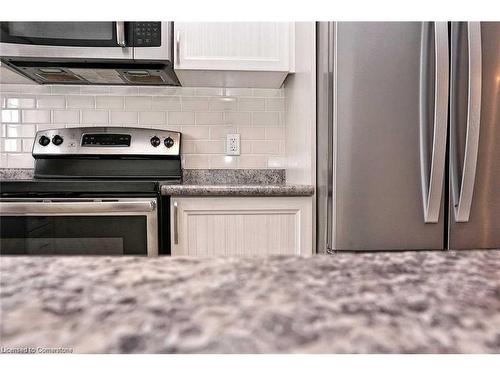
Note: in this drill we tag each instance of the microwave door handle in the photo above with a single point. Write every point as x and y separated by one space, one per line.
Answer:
28 208
462 194
120 34
433 189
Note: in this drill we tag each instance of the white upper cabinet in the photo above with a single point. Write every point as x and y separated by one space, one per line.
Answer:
234 53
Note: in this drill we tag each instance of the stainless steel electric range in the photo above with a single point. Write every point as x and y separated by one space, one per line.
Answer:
95 191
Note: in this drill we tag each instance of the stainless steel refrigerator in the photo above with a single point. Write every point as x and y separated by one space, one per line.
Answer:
408 148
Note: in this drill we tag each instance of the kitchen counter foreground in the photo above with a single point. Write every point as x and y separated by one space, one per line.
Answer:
409 302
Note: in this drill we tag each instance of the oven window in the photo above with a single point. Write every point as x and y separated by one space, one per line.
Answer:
73 235
62 30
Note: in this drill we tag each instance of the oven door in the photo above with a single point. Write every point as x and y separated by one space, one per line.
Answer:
78 40
106 226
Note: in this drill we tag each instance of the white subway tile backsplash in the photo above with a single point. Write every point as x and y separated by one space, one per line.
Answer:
275 104
34 89
100 90
238 118
209 91
95 117
266 147
209 147
27 144
209 118
195 162
109 102
194 104
34 116
181 118
204 116
225 103
188 146
51 102
247 132
170 103
160 90
80 101
19 102
138 102
65 117
11 145
65 89
245 146
238 92
123 118
276 162
252 161
217 132
124 90
223 161
152 118
195 132
174 128
251 104
18 130
275 133
24 160
40 127
11 115
268 93
266 118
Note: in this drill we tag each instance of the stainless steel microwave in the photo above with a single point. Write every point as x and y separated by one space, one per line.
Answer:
90 52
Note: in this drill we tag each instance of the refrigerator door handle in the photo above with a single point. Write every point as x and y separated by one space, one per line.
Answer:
432 183
462 195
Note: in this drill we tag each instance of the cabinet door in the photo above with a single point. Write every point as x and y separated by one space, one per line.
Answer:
251 46
215 226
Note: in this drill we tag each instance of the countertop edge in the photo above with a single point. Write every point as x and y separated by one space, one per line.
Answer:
291 190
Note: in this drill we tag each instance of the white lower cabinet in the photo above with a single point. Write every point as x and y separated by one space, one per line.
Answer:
241 226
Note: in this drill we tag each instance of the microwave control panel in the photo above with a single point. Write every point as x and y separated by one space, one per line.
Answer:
147 34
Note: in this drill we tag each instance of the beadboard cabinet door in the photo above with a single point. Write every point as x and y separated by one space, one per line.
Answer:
232 53
241 226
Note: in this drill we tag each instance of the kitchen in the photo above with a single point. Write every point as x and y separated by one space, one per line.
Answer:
301 186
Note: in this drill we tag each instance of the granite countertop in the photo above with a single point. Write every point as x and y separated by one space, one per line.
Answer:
238 190
236 182
409 302
214 182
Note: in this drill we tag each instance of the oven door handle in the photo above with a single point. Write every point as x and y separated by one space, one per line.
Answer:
76 208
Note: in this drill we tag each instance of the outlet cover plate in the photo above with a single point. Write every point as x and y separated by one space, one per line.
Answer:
232 144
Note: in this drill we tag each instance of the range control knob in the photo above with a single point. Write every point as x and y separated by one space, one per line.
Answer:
44 141
57 140
155 141
169 142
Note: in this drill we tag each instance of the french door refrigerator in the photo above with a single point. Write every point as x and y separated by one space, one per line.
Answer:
408 148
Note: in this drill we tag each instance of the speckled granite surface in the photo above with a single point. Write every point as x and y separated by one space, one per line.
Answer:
233 176
214 182
193 176
238 190
16 173
409 302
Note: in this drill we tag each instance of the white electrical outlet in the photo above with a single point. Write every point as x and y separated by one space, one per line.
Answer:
233 144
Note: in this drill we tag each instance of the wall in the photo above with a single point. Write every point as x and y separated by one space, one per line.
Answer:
300 108
300 113
203 115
